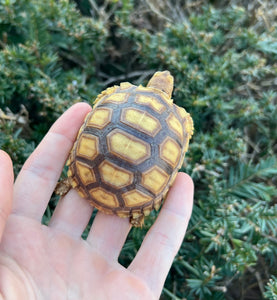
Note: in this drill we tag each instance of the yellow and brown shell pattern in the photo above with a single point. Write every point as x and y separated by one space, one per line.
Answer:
130 147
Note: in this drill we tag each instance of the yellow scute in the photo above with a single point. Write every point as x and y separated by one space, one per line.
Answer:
175 125
88 146
102 196
117 98
170 151
155 179
100 117
85 173
114 175
150 101
141 121
128 147
135 198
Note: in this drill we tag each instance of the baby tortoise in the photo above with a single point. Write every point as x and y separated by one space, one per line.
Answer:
129 149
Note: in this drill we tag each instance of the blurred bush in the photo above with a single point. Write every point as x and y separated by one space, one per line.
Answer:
223 57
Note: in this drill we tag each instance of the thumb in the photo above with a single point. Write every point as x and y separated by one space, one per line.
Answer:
6 189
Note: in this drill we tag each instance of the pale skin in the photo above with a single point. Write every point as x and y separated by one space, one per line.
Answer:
54 262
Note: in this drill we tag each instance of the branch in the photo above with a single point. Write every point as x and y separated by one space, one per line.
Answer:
143 75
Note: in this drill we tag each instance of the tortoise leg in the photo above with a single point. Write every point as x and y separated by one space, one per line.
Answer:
137 221
63 187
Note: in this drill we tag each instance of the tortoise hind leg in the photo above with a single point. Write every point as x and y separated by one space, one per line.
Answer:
63 187
137 220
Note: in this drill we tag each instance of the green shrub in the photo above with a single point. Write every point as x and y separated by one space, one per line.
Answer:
48 59
223 58
271 289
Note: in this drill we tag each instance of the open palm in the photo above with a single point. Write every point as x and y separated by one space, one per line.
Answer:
54 262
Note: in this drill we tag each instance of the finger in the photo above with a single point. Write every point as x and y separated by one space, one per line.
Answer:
163 240
6 189
71 215
38 177
108 234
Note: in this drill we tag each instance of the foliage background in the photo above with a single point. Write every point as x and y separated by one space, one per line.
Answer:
223 57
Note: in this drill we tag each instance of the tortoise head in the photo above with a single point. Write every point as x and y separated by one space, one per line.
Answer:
162 81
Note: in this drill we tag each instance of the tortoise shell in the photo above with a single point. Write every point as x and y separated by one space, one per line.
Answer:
130 147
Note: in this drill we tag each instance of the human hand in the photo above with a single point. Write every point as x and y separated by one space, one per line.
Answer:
54 262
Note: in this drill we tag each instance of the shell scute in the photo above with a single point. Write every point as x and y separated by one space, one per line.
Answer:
116 98
128 147
101 195
140 120
155 179
135 198
85 173
150 101
175 125
88 146
100 117
114 175
170 151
